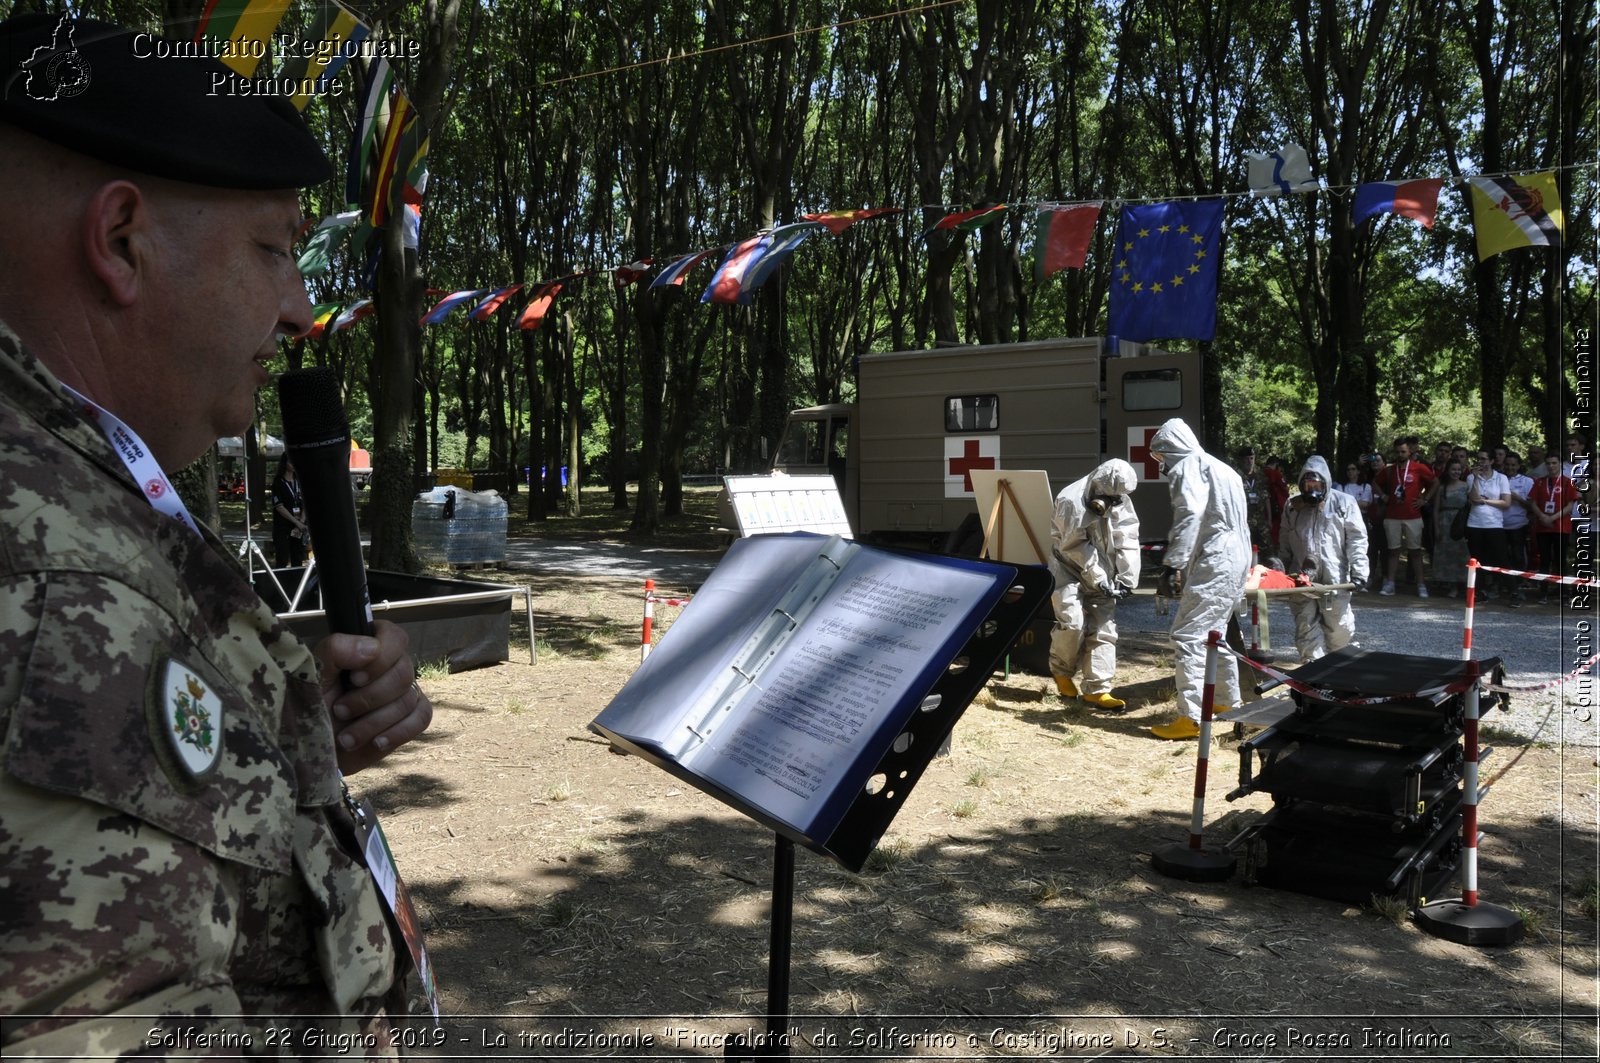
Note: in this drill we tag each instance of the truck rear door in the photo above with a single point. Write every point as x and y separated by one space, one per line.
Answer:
1141 394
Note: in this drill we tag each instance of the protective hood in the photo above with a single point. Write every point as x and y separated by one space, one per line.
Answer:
1175 441
1114 477
1317 465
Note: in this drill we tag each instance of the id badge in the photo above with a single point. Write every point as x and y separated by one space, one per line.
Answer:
396 898
1550 506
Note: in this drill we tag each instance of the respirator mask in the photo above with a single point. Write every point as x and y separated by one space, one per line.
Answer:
1100 505
1313 490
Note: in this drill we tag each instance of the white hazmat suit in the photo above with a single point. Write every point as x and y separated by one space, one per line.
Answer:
1326 538
1209 546
1095 561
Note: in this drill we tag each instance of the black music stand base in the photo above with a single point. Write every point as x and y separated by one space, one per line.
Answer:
1479 924
1193 865
775 1043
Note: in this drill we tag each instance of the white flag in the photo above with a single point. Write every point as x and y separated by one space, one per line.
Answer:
1281 172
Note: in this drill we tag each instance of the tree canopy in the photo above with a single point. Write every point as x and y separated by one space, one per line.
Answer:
570 137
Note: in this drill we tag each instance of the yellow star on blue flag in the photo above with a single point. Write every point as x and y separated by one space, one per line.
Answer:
1164 285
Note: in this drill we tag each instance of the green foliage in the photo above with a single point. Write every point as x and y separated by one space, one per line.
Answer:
577 137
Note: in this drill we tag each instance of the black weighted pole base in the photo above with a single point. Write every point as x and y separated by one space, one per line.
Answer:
1479 924
1193 865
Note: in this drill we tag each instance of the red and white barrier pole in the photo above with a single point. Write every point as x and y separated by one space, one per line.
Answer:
1469 792
649 617
1465 920
1193 862
1208 700
1466 616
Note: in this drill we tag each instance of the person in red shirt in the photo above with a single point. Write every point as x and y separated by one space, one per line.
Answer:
1550 507
1406 485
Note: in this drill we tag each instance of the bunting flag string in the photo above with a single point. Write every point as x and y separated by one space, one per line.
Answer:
679 267
1061 237
334 36
1418 199
1177 296
967 220
247 24
1512 212
837 221
442 309
497 298
633 272
534 314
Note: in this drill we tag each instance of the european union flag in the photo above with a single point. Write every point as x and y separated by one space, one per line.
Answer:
1164 283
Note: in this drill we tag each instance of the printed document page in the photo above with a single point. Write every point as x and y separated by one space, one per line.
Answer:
864 652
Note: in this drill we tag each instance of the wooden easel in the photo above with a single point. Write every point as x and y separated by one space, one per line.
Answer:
994 528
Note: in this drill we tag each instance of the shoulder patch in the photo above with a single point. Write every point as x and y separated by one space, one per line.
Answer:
189 716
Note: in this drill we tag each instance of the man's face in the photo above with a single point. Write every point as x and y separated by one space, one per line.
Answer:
1402 452
1552 465
225 269
1512 466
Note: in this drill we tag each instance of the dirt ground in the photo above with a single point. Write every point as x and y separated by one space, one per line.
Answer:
581 903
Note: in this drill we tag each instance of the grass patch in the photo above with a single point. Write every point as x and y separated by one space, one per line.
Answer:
964 809
558 913
1395 909
886 858
1589 898
1070 738
1532 919
433 670
561 791
980 777
1046 891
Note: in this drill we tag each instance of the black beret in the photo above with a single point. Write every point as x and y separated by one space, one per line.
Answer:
145 102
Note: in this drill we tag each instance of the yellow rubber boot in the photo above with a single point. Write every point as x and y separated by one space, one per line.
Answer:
1178 727
1103 701
1066 687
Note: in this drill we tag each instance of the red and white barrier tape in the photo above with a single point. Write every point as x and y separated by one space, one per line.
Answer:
667 601
1507 688
1538 577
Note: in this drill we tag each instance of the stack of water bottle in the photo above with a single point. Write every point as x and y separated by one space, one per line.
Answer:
455 526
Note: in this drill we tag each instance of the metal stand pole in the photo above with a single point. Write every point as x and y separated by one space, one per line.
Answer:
775 1043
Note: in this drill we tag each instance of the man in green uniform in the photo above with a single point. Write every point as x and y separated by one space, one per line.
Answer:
175 839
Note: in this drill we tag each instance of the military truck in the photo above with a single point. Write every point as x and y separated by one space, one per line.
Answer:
902 452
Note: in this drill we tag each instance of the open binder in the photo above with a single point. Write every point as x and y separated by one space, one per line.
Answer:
811 680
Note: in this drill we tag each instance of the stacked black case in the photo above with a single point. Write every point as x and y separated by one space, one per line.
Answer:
1366 798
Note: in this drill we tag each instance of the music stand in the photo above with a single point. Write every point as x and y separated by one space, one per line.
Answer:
908 727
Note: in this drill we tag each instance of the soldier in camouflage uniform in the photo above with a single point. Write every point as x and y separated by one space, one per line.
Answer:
174 840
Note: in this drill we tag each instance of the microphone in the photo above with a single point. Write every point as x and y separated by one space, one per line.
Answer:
317 437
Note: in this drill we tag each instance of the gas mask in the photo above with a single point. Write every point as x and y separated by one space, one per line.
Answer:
1313 490
1100 505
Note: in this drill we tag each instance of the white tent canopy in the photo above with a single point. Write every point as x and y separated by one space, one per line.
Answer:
233 446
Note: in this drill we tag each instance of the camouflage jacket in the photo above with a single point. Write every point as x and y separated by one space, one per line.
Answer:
169 798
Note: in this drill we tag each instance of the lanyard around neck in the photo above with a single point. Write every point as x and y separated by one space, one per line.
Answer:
142 466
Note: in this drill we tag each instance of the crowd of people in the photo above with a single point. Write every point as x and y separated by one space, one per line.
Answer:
1426 516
